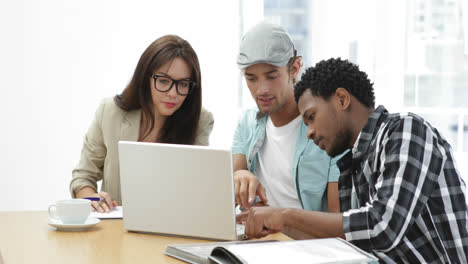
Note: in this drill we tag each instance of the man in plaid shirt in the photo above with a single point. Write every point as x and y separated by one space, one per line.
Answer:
401 196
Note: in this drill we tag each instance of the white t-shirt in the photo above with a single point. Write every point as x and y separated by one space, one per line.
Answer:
274 164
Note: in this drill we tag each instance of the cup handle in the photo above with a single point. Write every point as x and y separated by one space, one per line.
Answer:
53 213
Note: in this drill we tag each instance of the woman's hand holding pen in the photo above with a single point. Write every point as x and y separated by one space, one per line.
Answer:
101 202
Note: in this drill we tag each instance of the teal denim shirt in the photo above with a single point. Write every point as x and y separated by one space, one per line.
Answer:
312 168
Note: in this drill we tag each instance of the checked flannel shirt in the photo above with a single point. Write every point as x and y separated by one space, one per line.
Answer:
401 195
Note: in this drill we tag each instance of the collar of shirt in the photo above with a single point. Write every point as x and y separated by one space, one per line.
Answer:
361 146
375 121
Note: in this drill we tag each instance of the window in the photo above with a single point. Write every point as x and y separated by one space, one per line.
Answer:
414 51
436 72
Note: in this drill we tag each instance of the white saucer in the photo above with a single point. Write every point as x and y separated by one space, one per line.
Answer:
57 223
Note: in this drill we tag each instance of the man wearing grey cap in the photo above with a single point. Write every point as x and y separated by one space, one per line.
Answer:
273 158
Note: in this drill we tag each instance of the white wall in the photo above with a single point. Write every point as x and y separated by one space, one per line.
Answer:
58 59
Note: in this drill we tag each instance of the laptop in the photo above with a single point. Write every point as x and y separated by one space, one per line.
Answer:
178 190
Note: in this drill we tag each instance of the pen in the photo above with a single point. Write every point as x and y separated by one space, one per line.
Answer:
97 199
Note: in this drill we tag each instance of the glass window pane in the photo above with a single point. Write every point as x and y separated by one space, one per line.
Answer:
465 135
446 124
436 90
410 90
437 66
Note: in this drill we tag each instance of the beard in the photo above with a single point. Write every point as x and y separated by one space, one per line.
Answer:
272 110
342 140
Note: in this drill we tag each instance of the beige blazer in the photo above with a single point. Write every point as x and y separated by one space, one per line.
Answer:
99 156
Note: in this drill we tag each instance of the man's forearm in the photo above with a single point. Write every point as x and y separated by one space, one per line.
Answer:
313 224
296 234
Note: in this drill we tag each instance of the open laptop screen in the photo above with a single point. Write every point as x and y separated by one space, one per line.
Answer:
177 189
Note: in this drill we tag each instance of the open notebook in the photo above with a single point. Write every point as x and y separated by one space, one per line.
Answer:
327 250
115 213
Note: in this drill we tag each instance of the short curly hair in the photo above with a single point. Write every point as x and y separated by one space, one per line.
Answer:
327 75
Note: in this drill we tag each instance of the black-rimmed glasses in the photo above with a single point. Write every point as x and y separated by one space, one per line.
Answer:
164 83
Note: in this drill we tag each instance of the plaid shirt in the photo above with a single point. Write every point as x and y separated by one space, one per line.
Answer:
401 195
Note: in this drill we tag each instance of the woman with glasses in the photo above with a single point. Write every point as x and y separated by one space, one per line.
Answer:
162 103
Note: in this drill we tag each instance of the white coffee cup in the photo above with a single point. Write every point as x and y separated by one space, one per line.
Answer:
71 211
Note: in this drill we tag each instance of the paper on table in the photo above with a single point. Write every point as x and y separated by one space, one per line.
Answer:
115 213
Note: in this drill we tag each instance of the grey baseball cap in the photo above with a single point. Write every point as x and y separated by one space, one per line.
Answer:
265 43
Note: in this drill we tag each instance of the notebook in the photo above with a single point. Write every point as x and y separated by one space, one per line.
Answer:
115 213
179 190
319 251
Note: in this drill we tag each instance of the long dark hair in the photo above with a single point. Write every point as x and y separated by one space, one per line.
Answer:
181 126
